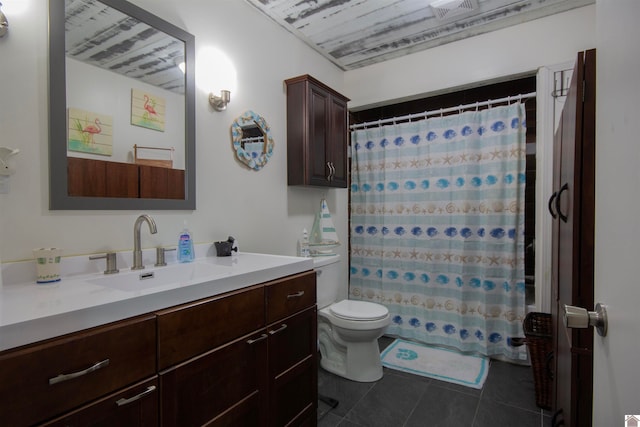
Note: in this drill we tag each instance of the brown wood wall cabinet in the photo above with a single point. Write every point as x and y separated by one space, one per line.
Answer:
246 357
317 122
99 178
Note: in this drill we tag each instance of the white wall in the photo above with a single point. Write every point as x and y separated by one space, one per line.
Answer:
257 208
113 98
512 51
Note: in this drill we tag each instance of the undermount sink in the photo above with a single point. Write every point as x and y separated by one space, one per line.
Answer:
173 275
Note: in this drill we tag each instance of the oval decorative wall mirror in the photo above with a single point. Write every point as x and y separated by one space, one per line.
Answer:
252 141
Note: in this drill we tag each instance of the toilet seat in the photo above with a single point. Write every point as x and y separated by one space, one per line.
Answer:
358 310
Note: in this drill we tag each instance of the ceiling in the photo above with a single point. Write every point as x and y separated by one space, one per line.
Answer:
356 33
102 36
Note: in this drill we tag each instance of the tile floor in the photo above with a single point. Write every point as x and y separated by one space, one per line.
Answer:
404 400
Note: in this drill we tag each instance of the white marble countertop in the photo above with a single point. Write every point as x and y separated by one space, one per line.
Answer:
31 312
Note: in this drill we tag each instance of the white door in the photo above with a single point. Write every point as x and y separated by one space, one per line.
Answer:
616 387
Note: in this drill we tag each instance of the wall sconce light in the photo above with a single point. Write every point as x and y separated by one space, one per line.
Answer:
179 61
4 24
219 103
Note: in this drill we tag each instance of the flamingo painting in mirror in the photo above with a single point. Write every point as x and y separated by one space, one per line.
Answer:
150 107
92 129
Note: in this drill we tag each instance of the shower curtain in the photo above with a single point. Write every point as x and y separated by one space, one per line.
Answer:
437 227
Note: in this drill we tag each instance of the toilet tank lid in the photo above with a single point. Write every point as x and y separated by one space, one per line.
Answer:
359 310
321 261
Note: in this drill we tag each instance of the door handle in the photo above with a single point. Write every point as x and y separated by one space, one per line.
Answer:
578 317
550 205
558 210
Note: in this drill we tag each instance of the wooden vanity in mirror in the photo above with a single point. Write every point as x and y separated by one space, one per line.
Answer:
99 178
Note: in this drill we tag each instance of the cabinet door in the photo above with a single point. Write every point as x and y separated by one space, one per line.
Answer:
316 134
136 406
225 387
319 132
293 369
338 143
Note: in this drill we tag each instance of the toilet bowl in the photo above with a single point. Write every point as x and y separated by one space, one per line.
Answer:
348 330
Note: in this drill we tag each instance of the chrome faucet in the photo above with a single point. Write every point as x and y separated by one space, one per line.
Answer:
137 252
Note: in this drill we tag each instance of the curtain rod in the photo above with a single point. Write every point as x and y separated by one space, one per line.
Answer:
441 111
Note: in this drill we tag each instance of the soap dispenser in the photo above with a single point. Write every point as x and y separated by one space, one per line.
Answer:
185 245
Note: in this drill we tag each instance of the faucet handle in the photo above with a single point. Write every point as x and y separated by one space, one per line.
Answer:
160 251
111 262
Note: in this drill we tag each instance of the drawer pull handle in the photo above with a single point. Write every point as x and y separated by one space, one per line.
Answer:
296 295
65 377
280 329
260 338
123 401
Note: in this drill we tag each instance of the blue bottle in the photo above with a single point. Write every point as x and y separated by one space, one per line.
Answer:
185 245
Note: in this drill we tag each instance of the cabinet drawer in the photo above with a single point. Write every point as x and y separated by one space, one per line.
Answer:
192 329
290 295
222 387
293 368
48 379
136 406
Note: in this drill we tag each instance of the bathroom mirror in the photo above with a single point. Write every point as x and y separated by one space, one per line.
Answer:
252 141
111 61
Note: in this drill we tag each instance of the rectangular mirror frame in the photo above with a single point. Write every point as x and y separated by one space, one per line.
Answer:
58 186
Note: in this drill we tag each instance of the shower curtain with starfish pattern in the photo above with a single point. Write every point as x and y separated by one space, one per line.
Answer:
437 227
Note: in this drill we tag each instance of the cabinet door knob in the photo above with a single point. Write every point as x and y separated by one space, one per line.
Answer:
550 205
296 295
125 401
280 329
562 216
260 338
66 377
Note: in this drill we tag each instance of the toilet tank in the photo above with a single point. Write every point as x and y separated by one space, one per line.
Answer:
328 281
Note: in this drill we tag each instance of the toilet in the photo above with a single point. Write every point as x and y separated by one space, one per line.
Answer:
348 330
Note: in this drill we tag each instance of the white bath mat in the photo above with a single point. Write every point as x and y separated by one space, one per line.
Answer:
438 363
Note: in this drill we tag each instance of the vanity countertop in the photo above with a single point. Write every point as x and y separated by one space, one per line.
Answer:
31 312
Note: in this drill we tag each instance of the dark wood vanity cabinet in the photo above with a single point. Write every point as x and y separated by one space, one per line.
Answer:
242 358
245 358
48 379
99 178
317 141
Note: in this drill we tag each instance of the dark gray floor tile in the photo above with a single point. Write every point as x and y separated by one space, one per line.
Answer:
329 420
389 402
457 387
443 407
492 414
384 342
510 384
348 393
347 423
415 377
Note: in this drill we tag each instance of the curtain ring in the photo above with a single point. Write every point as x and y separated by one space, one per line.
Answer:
489 103
477 105
441 115
508 100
